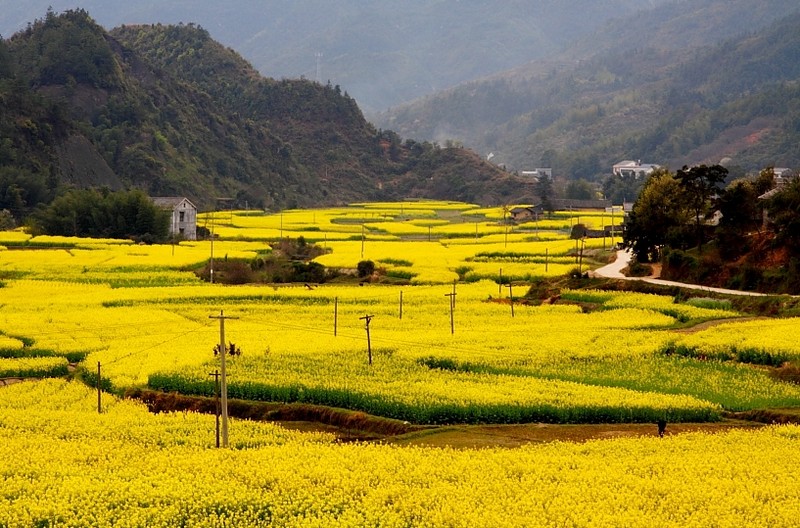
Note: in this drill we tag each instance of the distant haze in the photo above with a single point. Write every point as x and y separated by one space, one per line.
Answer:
382 53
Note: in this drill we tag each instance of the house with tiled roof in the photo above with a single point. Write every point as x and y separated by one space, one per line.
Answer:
183 216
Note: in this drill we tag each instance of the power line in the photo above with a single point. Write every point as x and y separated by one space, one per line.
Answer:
158 344
97 328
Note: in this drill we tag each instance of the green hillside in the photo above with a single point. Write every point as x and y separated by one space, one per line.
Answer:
170 111
652 98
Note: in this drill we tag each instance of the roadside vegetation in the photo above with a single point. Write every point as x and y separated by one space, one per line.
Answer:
703 229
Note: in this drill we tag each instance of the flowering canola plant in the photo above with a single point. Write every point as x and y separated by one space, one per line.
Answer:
66 465
137 312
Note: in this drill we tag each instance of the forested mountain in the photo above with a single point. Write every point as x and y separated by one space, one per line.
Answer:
383 53
170 111
664 90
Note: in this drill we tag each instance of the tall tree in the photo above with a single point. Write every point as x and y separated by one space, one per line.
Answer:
659 217
699 185
544 191
580 190
741 215
784 217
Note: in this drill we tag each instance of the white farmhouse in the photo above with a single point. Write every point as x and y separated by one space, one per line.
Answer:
183 219
635 169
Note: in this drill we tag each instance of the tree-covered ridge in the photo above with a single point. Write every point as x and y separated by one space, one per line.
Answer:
30 126
297 117
168 110
671 105
68 48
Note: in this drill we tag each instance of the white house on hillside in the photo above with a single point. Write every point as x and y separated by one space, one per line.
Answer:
635 169
536 174
183 220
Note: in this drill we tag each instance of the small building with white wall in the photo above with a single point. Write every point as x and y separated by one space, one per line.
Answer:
633 169
538 173
183 218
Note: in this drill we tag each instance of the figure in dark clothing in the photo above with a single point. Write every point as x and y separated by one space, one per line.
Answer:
662 426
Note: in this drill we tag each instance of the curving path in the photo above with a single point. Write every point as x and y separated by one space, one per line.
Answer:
614 271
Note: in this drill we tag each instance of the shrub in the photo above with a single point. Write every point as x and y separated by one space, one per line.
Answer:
637 269
365 268
462 272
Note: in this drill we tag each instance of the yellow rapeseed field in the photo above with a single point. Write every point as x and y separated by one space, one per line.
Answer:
452 347
66 465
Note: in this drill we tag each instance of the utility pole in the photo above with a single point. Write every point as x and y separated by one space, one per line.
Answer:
363 237
401 304
452 308
216 403
335 315
223 374
454 293
580 260
367 319
99 393
612 226
500 285
211 266
511 298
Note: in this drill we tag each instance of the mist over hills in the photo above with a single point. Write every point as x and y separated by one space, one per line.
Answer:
382 53
685 83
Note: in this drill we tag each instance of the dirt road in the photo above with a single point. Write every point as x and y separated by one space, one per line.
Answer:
614 271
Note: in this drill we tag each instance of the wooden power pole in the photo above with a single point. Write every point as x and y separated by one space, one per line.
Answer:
367 319
223 384
99 392
452 308
216 404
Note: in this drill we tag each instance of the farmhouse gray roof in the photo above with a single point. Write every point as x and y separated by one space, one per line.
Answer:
169 202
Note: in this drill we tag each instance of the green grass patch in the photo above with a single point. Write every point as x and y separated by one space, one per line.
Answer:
400 274
433 390
397 262
753 355
32 352
710 303
33 367
734 387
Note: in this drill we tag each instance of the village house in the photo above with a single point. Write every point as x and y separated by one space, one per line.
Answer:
526 213
633 169
183 218
541 172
